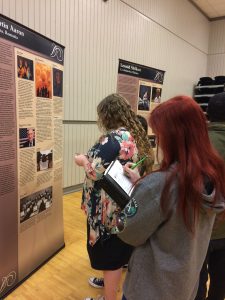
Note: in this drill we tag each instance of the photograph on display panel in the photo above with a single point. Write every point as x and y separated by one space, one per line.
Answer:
43 78
44 160
25 68
34 204
144 97
152 140
29 115
156 94
27 137
57 83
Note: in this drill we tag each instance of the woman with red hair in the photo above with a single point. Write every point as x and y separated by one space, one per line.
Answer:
170 216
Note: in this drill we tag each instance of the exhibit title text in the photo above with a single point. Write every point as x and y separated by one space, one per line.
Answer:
130 67
11 28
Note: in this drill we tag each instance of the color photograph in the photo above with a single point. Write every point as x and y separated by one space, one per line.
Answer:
25 68
57 82
43 78
27 137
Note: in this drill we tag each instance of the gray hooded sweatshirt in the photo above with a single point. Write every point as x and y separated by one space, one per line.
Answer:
167 260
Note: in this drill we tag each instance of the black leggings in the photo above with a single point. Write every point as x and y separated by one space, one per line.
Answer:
214 266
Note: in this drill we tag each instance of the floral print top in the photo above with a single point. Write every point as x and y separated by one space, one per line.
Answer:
101 210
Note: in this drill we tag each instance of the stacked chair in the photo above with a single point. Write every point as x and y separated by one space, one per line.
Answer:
206 88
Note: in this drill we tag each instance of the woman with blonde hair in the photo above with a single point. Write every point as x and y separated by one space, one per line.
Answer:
123 139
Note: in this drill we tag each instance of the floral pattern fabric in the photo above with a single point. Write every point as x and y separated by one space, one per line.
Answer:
101 210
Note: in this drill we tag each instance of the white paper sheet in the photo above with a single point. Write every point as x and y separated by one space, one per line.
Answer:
117 173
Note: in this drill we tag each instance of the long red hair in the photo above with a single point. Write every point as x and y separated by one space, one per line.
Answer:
181 129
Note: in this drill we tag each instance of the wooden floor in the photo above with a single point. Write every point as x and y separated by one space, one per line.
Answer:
65 275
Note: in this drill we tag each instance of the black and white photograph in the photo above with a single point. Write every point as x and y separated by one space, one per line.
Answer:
152 140
44 160
156 94
144 97
34 204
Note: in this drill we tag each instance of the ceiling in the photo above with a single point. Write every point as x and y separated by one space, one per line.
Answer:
211 8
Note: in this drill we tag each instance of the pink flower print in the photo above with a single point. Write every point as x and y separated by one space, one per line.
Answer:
83 207
131 139
105 203
127 149
90 171
92 237
109 208
88 197
114 221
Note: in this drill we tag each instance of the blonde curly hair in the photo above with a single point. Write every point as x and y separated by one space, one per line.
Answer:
114 112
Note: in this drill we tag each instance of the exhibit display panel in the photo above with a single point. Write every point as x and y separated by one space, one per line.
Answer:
31 151
141 86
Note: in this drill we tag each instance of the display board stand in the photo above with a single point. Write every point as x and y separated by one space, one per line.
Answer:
31 152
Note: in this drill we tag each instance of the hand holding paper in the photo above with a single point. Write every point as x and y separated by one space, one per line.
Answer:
116 184
117 173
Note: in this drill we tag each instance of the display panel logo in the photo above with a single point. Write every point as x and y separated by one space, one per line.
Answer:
8 281
57 52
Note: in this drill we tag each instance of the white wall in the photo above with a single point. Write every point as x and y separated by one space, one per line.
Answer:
216 57
170 35
178 16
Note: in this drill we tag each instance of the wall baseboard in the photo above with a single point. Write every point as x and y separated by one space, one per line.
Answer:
72 189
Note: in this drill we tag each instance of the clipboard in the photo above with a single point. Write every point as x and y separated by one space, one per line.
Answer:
117 185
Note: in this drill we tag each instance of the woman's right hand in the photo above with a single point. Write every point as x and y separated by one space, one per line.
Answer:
82 161
133 175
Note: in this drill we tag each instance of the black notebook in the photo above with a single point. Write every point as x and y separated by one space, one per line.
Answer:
117 185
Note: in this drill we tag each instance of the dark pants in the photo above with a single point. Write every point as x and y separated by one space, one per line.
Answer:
214 266
124 298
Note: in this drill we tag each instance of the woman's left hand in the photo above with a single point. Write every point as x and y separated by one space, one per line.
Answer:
80 159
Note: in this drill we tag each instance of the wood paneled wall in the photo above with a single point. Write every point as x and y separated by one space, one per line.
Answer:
170 35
